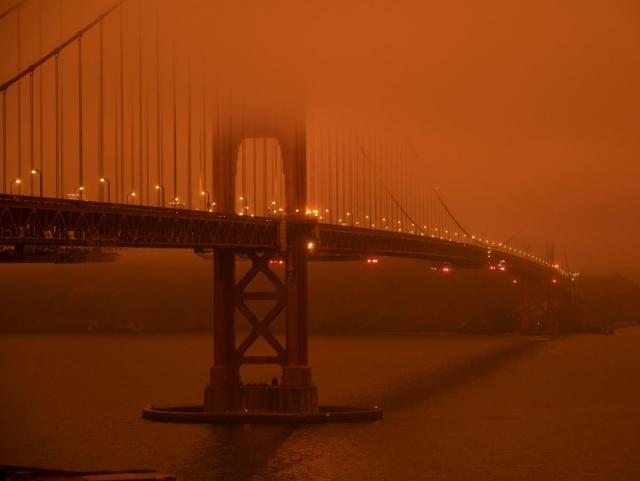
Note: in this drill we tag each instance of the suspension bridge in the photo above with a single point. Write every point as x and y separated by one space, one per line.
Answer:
111 139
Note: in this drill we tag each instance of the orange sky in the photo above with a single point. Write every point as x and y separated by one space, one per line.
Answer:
525 113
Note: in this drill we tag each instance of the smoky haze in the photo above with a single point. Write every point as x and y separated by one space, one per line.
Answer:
524 114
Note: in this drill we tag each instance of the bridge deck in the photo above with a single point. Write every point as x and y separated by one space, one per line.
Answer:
39 221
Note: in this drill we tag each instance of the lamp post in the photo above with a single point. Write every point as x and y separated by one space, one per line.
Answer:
39 174
368 218
104 180
271 209
131 195
80 191
206 199
245 205
160 189
18 182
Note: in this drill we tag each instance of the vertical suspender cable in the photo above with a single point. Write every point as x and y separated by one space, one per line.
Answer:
132 143
337 197
255 166
19 61
243 146
345 177
233 153
175 126
276 176
385 182
80 133
345 208
58 95
397 189
147 177
40 101
116 146
122 183
31 136
361 196
189 135
353 156
140 167
321 199
158 126
372 181
405 183
4 141
370 190
318 178
265 180
374 216
101 112
203 140
326 175
360 177
217 147
61 83
311 177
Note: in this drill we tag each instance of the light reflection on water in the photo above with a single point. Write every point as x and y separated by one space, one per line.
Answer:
456 408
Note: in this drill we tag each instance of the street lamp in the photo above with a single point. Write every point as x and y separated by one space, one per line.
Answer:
18 182
206 199
131 195
271 210
245 205
104 180
39 174
80 191
368 220
160 189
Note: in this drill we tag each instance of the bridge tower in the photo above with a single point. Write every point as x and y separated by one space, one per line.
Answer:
295 392
548 305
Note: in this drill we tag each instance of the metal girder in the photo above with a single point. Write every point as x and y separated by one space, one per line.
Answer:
353 241
40 221
35 221
260 327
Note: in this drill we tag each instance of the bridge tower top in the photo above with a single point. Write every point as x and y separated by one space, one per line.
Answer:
288 131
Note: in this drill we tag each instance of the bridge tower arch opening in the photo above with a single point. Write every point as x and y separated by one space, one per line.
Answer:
259 179
294 391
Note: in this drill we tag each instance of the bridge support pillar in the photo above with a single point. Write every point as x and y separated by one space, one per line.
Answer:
547 306
224 371
226 392
296 373
295 393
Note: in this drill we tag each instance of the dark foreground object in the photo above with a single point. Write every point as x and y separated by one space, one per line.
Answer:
22 473
325 414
